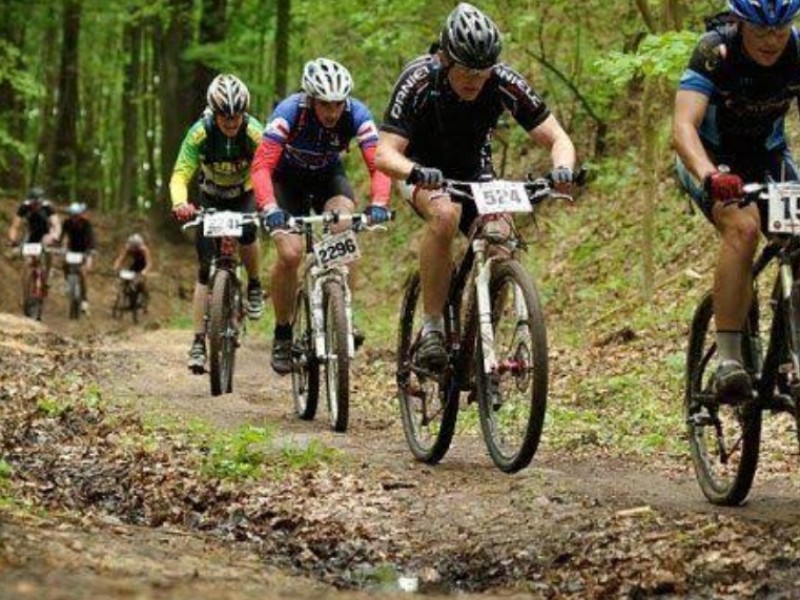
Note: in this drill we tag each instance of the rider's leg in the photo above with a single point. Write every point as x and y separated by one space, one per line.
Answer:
197 353
435 263
442 217
283 286
733 291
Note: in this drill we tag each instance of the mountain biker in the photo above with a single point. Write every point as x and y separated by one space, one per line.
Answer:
438 125
298 168
728 128
77 235
43 224
135 256
221 145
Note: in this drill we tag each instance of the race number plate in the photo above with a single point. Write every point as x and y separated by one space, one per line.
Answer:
31 249
222 224
338 249
74 258
784 208
494 197
127 275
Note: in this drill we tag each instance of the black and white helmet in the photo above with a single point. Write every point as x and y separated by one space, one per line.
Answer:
471 38
228 96
327 80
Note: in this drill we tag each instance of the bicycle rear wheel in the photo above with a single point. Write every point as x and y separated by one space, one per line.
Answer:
337 363
428 401
74 294
724 438
305 367
222 333
32 297
512 400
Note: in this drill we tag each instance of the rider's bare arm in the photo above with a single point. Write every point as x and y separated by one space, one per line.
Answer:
390 157
120 257
690 109
551 135
13 232
147 261
55 228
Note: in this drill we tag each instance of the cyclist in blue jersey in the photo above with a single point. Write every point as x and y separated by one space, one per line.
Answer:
729 128
298 168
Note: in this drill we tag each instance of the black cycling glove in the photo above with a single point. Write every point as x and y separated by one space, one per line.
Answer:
562 176
426 177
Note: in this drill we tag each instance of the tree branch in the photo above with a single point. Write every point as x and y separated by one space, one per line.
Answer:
647 15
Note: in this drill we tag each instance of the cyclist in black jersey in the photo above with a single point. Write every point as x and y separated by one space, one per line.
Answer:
439 120
43 225
136 256
77 235
729 128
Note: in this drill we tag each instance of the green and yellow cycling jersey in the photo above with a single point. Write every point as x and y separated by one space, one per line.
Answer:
224 161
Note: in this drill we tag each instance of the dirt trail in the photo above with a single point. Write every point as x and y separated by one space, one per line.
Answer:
565 527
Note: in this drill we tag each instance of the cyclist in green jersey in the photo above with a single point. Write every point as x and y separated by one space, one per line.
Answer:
221 145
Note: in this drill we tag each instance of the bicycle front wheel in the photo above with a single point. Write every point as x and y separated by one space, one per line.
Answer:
512 398
74 294
222 333
724 438
337 363
428 401
305 367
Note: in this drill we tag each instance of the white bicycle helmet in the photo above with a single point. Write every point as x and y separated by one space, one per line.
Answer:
228 96
76 208
135 241
327 80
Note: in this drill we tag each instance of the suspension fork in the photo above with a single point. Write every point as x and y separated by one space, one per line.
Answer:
483 276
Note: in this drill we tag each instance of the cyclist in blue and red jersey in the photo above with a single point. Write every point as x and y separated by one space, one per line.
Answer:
729 128
298 168
438 125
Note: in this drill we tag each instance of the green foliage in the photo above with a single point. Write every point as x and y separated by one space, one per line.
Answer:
310 455
238 455
658 56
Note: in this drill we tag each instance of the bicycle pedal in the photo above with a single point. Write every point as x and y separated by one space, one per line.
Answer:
700 419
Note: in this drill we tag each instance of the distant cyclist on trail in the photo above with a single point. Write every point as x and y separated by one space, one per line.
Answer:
438 126
729 129
136 256
37 214
77 235
221 145
298 169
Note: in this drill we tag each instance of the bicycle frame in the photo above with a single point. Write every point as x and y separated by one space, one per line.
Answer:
315 277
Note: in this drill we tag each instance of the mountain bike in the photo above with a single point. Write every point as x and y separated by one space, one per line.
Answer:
494 334
129 295
725 433
74 281
225 309
322 328
34 279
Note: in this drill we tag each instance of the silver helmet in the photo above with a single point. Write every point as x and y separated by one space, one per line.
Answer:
327 80
228 96
471 38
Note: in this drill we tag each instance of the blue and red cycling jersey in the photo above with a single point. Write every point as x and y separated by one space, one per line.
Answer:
295 141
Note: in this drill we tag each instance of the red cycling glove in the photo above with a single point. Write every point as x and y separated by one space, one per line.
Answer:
184 212
723 186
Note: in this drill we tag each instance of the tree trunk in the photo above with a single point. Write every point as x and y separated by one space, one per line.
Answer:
175 93
130 116
213 26
45 144
12 169
150 109
63 166
650 120
282 48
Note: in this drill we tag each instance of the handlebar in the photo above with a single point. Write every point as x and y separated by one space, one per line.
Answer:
248 218
359 221
538 188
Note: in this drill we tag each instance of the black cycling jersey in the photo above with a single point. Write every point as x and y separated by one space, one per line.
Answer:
37 214
138 259
449 133
747 101
80 234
